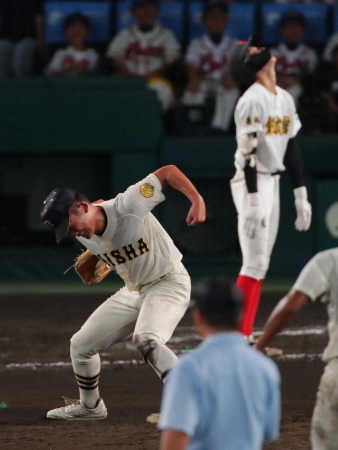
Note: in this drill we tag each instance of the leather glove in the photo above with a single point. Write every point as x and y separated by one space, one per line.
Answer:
254 216
303 208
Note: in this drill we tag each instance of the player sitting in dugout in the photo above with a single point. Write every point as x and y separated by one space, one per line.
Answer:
77 58
295 59
207 67
146 49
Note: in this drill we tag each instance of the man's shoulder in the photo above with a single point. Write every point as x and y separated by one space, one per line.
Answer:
253 94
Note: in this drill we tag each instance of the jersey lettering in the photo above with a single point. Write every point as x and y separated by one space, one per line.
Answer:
210 65
276 125
142 246
134 49
130 251
117 255
110 262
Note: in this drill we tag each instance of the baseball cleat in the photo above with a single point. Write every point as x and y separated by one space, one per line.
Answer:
153 418
75 410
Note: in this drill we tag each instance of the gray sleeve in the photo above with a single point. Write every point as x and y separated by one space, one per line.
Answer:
314 278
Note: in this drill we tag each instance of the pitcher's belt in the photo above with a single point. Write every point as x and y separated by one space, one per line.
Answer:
154 281
269 173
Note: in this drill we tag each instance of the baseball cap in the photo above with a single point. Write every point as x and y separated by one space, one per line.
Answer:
55 212
292 16
217 295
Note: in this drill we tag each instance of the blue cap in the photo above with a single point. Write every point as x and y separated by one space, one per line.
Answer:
55 212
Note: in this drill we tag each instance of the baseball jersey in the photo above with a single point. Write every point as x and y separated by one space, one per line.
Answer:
144 52
294 62
209 58
134 243
320 277
224 395
273 118
64 58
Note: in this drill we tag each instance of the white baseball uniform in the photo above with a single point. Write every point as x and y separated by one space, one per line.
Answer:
145 52
157 290
212 62
320 278
302 59
65 58
274 119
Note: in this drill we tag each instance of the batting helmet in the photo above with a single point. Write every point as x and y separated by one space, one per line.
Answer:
237 67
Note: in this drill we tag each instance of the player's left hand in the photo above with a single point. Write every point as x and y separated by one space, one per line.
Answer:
303 208
197 213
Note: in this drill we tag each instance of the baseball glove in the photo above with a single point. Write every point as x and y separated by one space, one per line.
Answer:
90 268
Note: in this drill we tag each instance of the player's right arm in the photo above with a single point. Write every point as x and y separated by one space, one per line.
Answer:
248 125
192 60
312 282
116 51
284 312
171 176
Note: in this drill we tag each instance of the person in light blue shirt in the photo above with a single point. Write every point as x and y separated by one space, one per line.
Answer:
225 394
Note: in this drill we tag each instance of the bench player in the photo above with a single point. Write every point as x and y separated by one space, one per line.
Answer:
123 232
266 126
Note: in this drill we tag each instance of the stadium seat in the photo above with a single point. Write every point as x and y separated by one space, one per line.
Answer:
316 15
241 20
97 12
171 16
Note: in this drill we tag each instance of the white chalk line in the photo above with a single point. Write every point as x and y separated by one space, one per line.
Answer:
187 338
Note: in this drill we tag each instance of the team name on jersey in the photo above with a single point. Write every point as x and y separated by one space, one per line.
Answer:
210 65
126 253
276 125
135 49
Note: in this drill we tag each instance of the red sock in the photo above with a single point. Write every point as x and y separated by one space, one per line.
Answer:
251 289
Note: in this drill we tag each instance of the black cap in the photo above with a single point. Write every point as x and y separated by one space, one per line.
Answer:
217 295
292 16
55 212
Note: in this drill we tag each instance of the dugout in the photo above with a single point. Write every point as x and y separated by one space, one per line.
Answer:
101 134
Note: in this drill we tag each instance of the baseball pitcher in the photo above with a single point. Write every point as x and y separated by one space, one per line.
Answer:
124 236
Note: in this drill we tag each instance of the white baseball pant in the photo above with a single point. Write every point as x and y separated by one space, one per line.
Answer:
225 101
256 251
324 428
151 316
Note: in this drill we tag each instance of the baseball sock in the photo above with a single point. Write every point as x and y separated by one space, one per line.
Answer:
251 289
87 376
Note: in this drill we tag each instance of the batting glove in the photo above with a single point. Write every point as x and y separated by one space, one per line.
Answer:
303 208
254 215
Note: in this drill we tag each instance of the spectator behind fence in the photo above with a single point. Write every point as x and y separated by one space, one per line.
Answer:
326 88
295 59
225 395
21 31
76 59
146 49
207 68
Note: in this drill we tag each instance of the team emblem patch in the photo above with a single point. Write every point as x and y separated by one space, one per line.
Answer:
47 222
147 190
